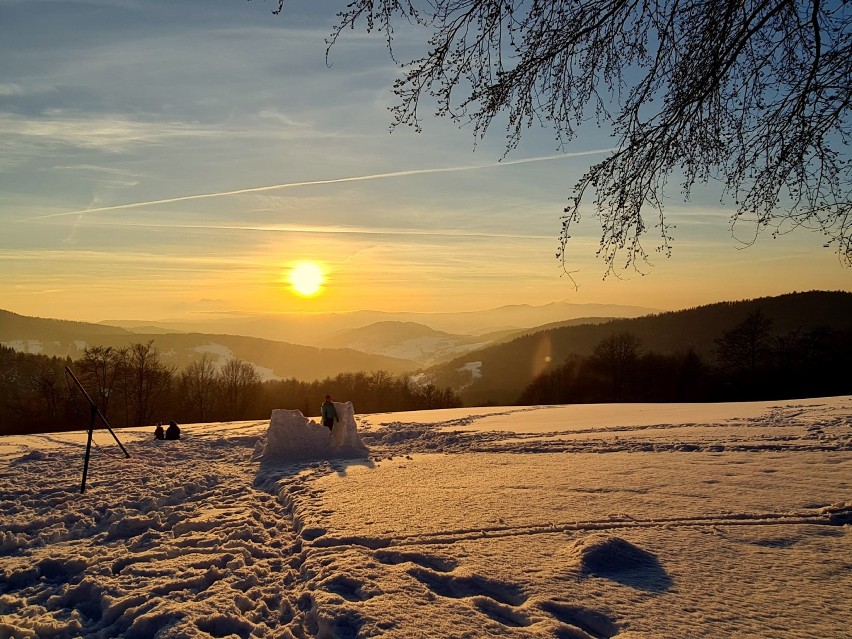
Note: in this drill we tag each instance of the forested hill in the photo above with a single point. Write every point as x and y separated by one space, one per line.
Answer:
281 359
60 338
499 374
21 327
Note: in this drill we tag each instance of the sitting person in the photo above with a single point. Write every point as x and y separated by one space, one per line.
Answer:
173 431
158 431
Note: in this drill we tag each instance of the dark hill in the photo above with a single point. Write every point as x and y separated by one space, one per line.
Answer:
21 327
53 337
504 370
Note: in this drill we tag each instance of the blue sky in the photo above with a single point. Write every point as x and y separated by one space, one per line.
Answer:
159 159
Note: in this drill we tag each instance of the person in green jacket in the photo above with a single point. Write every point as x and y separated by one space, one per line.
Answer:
329 413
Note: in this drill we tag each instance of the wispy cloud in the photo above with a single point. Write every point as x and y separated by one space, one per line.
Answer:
328 230
343 180
8 89
141 259
115 132
103 175
105 132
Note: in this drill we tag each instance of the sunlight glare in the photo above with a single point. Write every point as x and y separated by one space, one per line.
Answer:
306 278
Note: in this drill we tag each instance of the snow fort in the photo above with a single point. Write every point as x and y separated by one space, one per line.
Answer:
293 437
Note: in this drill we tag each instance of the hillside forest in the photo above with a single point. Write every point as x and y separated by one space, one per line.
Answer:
791 345
750 364
134 387
770 352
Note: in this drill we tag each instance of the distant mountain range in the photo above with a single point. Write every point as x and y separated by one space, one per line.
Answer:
316 329
499 373
418 342
407 340
271 359
308 347
482 365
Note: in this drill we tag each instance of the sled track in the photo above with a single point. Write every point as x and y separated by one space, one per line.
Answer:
816 517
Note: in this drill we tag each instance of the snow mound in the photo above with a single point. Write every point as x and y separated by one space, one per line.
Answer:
614 558
35 455
602 554
293 437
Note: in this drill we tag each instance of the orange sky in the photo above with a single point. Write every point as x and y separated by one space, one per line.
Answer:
155 168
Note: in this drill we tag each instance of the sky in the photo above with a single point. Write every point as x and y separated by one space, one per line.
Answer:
163 160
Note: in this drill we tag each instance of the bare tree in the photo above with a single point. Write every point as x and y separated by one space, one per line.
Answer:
239 381
44 383
747 347
381 385
100 369
200 381
429 395
147 382
615 358
752 93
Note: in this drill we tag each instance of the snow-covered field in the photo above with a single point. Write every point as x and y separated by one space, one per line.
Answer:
628 521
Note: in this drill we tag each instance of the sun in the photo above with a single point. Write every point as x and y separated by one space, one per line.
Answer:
306 278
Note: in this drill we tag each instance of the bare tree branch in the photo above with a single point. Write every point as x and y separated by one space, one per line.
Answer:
753 94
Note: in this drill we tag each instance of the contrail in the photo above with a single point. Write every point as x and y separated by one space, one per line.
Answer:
339 230
289 185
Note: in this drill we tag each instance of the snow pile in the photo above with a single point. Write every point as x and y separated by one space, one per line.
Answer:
610 557
293 437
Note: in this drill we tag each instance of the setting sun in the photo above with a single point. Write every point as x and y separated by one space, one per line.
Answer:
306 278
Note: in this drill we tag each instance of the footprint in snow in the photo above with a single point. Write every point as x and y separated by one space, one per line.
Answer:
505 615
438 564
590 622
475 585
348 588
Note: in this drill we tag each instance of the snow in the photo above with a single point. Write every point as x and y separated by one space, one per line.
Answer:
426 349
266 373
627 521
25 345
474 370
222 355
292 437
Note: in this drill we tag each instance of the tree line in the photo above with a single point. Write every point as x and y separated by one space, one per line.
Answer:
750 363
134 386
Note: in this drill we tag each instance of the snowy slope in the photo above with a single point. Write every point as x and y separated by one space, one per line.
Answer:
406 340
629 521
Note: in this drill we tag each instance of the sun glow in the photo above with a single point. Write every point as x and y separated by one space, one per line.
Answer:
306 278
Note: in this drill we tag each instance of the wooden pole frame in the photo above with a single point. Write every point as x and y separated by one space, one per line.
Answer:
94 413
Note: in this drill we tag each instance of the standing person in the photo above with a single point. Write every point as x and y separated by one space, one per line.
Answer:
329 413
